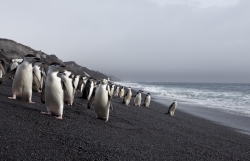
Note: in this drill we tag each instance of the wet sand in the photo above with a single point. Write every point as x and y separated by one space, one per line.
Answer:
132 133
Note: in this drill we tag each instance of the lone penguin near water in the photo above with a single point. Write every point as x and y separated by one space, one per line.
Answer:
22 83
172 108
53 91
127 97
147 100
102 100
137 99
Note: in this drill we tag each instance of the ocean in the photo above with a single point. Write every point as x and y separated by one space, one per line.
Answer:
231 98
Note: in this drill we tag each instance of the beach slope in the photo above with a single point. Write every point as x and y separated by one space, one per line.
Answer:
132 133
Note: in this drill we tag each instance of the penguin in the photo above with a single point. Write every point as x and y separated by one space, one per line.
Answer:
121 93
116 91
81 83
75 82
85 78
68 82
43 74
13 65
2 68
172 108
53 91
22 83
137 99
147 100
88 89
127 97
37 74
15 62
102 100
112 88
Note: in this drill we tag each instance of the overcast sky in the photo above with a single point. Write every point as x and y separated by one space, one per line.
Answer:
139 40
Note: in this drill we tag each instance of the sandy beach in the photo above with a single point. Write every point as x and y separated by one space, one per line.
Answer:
132 133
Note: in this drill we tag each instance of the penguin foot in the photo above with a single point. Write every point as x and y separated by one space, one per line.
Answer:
127 105
59 117
46 113
30 101
12 98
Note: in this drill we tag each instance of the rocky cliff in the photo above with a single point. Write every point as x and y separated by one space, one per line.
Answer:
13 50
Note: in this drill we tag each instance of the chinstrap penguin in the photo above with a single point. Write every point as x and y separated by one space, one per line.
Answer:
138 98
102 100
147 100
53 92
127 97
22 83
172 108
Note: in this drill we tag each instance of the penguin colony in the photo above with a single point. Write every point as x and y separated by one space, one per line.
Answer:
59 86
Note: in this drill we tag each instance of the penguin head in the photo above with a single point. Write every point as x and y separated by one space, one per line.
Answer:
55 67
104 81
31 58
175 101
66 72
140 91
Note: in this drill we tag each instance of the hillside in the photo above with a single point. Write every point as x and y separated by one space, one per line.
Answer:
12 50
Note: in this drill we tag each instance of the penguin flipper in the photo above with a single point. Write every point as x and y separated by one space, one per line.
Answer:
170 107
111 106
64 87
108 89
5 77
91 101
73 84
79 84
43 95
36 80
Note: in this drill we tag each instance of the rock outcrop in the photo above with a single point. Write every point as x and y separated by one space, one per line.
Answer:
13 50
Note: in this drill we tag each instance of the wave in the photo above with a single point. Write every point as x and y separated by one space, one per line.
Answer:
233 98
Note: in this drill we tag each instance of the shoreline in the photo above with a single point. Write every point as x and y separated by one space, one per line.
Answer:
218 116
136 133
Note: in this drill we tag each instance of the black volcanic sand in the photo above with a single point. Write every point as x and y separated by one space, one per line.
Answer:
132 133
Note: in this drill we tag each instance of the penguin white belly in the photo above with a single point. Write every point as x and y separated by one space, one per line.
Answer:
122 93
128 98
37 71
90 90
1 73
138 100
69 94
111 92
54 96
82 87
147 101
102 103
116 92
22 83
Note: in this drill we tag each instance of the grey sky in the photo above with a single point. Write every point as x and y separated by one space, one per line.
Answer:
146 40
